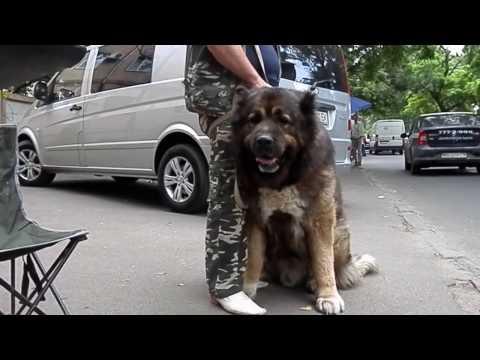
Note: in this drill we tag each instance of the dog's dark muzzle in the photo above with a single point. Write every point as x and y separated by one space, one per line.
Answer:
264 146
267 153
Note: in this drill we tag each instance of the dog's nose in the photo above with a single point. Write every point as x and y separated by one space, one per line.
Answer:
264 142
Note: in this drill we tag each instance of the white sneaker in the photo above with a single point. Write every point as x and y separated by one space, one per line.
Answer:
240 304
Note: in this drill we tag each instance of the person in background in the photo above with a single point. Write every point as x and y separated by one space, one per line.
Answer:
357 136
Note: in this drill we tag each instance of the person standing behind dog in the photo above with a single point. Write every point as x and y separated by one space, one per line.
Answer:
212 73
357 135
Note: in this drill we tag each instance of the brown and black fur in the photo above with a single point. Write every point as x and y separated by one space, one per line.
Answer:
297 230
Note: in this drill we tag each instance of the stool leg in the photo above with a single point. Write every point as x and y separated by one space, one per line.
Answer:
52 288
12 285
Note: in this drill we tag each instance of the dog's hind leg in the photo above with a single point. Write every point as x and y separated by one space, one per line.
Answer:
349 270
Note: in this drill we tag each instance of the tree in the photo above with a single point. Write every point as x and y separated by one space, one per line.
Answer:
405 81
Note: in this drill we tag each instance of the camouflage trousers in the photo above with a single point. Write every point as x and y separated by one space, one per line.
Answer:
226 242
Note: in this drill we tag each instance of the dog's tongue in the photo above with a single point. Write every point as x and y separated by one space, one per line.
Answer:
264 161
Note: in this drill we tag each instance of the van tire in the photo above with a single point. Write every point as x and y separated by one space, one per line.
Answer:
45 178
198 199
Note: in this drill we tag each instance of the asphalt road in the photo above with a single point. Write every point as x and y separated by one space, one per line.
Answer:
447 197
143 259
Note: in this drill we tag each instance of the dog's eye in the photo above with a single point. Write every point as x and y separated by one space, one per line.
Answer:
255 117
281 116
285 119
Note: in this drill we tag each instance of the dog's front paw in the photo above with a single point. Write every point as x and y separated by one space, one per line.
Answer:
250 289
331 305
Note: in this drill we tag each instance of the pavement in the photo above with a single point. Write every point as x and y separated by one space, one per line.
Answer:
143 259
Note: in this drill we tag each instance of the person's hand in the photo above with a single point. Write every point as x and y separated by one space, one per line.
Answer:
258 84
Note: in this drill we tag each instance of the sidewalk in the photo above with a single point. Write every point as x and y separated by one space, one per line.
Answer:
141 259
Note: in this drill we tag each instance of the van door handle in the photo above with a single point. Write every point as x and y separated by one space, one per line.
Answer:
75 108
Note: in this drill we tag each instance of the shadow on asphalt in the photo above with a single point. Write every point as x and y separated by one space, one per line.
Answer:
427 172
432 172
142 193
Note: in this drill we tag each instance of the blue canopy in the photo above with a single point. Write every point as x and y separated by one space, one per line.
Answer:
359 104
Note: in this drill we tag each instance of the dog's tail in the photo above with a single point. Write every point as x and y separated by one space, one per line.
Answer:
351 274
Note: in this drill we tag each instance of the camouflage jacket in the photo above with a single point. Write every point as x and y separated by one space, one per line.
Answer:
209 87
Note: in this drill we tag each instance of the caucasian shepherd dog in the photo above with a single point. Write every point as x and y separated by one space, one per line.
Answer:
286 178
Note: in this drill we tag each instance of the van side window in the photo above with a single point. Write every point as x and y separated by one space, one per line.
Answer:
119 66
68 83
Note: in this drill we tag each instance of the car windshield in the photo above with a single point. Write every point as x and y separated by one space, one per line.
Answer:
450 120
312 63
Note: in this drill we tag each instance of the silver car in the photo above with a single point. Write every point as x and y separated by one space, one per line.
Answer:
120 112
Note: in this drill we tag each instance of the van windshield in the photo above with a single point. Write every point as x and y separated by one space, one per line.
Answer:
311 63
450 120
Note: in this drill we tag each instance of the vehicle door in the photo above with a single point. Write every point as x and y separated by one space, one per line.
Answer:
62 117
118 96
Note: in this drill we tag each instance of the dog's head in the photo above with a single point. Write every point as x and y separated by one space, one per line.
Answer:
272 127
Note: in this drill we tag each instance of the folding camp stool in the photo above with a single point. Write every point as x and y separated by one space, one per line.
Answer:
23 238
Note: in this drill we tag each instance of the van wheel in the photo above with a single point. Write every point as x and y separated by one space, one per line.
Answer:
124 180
183 179
29 170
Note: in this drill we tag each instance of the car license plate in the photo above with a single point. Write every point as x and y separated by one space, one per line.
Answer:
323 118
454 156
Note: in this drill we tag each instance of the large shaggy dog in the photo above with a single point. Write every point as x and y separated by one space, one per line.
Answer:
286 176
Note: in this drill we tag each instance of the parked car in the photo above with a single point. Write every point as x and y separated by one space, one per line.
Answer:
121 112
443 139
388 136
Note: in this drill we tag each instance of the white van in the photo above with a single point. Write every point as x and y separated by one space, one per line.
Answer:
387 136
121 112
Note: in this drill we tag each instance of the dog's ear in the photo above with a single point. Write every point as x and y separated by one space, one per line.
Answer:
307 103
240 96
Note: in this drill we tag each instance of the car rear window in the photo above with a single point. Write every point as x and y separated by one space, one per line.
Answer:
390 129
450 120
311 63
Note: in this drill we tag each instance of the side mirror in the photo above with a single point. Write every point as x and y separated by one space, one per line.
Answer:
40 91
404 135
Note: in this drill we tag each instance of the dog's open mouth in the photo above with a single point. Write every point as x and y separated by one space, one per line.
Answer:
267 165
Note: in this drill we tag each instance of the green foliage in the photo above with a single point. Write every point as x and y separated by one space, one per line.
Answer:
408 80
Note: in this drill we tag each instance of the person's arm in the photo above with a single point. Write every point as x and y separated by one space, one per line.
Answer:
233 58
